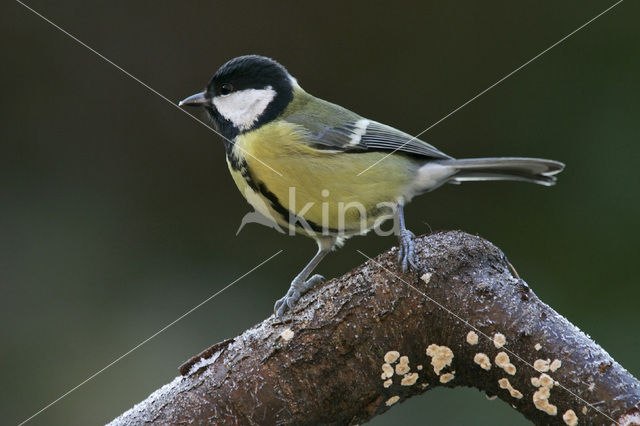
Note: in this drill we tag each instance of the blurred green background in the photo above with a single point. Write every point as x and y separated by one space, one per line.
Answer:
118 213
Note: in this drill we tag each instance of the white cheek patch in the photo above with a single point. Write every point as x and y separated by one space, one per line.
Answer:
244 107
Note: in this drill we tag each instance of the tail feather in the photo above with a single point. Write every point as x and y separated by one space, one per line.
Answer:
534 170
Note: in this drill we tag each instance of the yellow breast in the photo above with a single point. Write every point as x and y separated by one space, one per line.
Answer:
285 178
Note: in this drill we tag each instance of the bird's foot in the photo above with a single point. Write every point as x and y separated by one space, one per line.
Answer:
296 290
406 252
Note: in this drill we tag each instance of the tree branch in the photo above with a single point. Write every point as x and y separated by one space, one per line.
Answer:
362 343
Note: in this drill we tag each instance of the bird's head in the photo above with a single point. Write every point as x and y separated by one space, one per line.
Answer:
245 93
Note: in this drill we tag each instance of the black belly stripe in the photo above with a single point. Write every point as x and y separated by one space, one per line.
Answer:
241 166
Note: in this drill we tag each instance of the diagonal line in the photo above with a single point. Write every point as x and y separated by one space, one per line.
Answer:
145 85
495 84
441 306
148 338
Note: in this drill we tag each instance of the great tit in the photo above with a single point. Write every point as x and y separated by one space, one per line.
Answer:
323 171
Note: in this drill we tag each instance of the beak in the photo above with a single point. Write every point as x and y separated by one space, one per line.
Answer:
199 99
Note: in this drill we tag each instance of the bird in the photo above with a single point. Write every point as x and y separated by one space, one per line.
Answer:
323 171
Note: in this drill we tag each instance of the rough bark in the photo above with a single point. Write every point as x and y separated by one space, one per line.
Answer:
324 364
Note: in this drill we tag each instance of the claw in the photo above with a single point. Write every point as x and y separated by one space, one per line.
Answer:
296 290
291 300
315 280
406 253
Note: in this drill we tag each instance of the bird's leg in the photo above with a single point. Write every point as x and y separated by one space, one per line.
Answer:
406 252
301 284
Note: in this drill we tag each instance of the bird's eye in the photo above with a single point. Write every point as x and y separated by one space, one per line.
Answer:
226 88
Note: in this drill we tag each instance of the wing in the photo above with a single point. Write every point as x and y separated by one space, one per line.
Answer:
356 134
